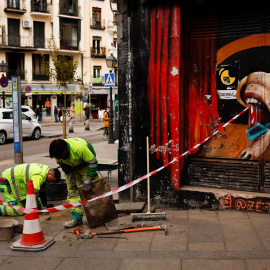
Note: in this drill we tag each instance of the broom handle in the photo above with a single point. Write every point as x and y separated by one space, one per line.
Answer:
148 178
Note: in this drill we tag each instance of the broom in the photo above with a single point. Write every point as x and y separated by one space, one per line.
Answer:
148 215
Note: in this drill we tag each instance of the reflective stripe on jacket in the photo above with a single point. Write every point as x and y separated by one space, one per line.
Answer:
19 175
81 153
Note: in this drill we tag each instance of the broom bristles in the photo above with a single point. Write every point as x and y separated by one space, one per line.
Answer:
148 216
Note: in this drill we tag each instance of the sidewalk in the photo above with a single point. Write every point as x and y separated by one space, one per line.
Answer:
196 239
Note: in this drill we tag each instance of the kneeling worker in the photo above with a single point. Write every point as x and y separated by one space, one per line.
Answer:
13 185
77 159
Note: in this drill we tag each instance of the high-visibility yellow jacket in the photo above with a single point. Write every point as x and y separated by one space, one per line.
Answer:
81 153
19 175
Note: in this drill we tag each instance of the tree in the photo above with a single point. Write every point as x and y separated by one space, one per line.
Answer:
63 72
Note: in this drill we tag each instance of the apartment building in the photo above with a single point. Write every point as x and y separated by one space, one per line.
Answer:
84 31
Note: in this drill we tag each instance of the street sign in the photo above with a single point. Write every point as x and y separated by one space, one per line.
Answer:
28 89
109 79
4 81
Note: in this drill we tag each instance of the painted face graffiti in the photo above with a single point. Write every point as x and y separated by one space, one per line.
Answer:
256 94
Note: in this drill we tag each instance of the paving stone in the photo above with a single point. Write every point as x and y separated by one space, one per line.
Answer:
89 263
98 244
191 264
206 246
132 246
150 264
30 262
261 264
203 233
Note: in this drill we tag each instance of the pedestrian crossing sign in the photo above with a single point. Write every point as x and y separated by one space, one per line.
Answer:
109 79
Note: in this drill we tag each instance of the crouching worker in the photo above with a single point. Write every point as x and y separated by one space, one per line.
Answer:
13 186
77 159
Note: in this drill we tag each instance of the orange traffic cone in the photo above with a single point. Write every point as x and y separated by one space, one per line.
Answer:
32 238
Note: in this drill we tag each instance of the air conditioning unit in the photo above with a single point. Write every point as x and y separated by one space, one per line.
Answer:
27 24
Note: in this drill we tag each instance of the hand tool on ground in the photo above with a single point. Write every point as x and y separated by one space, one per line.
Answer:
160 227
148 215
77 231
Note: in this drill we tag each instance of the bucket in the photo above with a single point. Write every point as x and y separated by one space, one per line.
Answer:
7 228
57 191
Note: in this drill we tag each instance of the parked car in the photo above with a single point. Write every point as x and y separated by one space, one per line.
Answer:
30 127
28 111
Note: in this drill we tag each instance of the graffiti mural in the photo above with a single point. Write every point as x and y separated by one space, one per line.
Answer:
193 68
230 202
253 90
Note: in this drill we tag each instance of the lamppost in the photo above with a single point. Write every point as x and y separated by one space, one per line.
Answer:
111 62
3 68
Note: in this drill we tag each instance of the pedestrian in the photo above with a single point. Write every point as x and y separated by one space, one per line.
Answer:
106 123
13 186
72 113
77 159
86 109
100 114
38 114
55 114
60 114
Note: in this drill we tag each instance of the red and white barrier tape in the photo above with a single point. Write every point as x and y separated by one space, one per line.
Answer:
126 186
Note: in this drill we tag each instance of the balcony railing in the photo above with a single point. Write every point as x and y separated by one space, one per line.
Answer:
69 44
71 10
40 6
40 76
17 41
15 6
15 72
98 81
22 41
100 25
98 52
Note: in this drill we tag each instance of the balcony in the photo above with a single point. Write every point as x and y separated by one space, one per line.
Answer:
40 76
69 10
98 25
15 6
98 81
98 52
21 42
69 44
40 8
15 72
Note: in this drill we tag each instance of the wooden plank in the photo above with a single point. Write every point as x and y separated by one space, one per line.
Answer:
100 211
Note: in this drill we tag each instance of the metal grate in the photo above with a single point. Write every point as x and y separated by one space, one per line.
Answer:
224 173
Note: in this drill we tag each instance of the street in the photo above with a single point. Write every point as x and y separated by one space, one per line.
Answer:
33 147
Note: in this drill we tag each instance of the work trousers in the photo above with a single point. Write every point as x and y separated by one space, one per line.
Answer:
10 199
73 196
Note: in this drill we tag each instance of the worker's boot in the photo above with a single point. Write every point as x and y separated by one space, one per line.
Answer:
72 223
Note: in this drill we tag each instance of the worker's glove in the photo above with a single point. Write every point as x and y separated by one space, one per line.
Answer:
87 184
71 178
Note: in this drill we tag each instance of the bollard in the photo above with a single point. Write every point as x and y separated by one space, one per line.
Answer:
70 127
87 124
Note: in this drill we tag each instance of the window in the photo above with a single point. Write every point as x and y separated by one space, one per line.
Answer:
39 34
70 34
115 17
96 14
38 62
13 4
114 42
96 45
14 32
97 72
7 115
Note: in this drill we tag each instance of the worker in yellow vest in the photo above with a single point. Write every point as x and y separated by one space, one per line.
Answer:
77 159
13 185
